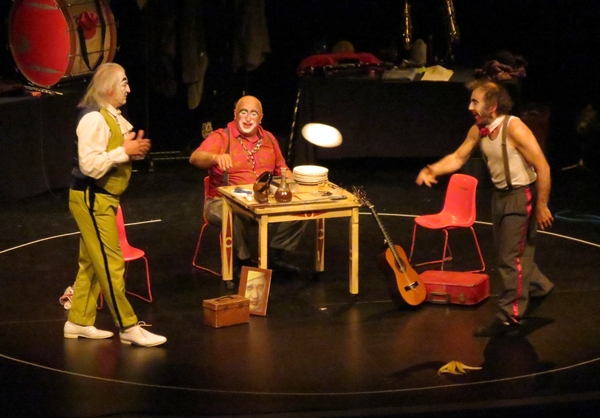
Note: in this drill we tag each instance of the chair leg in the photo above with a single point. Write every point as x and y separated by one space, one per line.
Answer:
194 260
412 245
149 298
198 246
442 260
479 252
100 303
446 248
447 252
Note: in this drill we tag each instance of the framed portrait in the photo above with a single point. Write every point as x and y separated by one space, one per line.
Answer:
255 285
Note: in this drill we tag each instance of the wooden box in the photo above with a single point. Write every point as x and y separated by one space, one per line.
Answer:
226 310
455 287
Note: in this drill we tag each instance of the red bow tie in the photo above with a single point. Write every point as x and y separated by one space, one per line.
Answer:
485 131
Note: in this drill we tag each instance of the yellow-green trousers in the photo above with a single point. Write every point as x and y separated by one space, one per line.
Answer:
101 264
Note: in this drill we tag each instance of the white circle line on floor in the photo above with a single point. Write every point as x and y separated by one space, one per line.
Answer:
531 375
489 224
415 389
66 235
360 213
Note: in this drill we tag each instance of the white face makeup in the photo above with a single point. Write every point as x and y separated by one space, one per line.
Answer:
481 112
248 115
119 96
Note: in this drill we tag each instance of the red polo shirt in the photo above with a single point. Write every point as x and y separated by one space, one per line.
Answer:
267 158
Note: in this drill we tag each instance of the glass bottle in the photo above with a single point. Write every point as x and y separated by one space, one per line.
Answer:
283 193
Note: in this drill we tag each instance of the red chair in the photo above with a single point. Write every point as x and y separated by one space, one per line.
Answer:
459 212
130 254
206 223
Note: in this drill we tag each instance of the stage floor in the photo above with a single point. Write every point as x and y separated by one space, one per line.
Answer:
319 351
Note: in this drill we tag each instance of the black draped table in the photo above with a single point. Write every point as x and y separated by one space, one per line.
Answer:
380 118
37 137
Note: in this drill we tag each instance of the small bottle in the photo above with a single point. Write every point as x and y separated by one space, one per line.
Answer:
283 193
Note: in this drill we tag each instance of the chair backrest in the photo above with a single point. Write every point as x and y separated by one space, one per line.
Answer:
121 229
461 199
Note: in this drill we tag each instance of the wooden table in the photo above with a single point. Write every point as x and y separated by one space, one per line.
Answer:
307 204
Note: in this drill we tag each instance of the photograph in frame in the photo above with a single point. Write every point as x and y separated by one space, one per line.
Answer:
255 285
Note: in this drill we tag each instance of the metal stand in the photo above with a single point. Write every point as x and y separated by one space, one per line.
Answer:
165 156
290 151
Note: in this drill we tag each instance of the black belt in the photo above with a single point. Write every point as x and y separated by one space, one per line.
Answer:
85 184
508 189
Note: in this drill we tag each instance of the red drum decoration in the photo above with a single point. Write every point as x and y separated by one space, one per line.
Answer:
54 40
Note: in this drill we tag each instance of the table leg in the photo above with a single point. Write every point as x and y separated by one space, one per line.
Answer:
354 252
227 242
320 246
263 241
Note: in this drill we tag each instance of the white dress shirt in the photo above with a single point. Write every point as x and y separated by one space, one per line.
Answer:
93 134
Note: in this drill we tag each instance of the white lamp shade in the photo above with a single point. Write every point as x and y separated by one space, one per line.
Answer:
322 135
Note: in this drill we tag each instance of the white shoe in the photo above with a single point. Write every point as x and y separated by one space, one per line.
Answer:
139 336
72 330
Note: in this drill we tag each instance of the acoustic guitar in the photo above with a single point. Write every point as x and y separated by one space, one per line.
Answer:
404 282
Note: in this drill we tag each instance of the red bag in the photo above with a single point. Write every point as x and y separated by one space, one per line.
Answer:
455 287
339 61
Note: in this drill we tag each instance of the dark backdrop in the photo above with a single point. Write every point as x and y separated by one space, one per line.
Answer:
559 38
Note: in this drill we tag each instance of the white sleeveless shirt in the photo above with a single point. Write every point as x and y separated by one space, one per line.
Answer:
521 173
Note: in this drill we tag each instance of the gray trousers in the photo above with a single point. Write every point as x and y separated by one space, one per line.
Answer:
283 236
515 230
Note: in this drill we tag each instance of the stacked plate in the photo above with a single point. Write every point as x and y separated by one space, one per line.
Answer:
310 174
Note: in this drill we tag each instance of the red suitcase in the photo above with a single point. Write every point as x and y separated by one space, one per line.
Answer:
455 287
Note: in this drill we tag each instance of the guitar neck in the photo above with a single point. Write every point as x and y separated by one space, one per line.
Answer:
411 290
387 238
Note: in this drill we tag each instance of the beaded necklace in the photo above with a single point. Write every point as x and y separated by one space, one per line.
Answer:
250 154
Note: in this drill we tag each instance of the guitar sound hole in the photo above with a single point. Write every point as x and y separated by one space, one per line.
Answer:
400 265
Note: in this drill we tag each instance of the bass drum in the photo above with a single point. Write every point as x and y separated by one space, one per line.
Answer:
57 40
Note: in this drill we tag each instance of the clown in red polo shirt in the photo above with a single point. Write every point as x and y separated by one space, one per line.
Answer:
238 154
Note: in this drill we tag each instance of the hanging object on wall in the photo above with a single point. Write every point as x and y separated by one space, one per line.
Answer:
407 26
453 32
54 41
